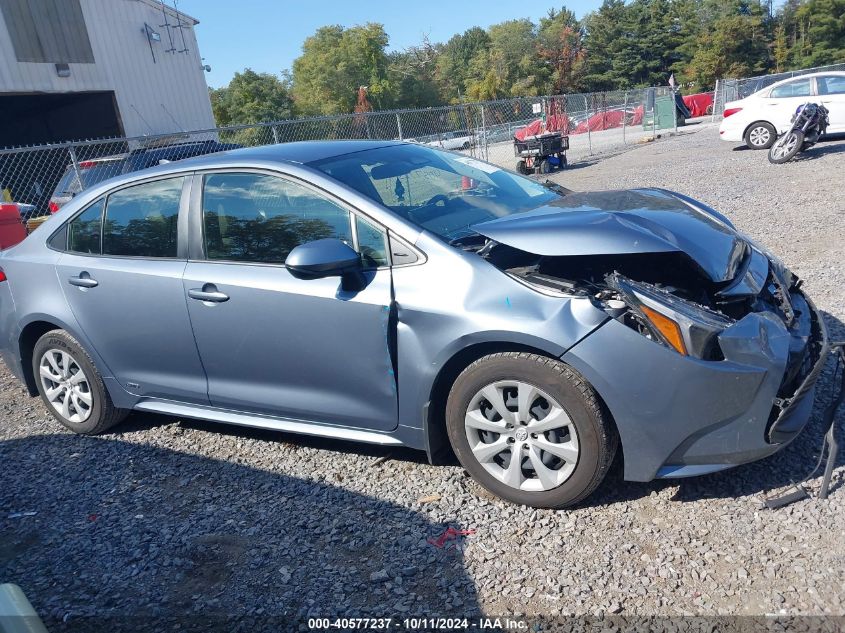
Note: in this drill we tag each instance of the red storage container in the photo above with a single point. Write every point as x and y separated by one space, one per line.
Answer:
12 230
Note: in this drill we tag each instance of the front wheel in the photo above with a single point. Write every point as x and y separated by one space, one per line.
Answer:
786 147
530 429
71 386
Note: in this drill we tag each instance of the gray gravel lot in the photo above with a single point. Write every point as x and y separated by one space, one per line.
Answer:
169 517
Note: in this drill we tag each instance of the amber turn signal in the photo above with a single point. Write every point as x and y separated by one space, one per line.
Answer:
667 327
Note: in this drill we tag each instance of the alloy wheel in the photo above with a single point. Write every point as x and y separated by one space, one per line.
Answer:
759 136
65 385
784 145
521 436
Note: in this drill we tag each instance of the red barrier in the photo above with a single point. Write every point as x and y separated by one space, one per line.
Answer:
698 104
12 230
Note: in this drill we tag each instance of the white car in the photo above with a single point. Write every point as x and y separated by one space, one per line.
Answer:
758 119
452 140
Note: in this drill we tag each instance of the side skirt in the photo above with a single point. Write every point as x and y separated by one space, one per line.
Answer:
227 416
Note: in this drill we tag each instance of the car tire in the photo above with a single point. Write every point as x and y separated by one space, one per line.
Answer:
70 385
760 135
562 407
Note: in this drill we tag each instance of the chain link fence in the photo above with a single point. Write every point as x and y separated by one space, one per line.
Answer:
42 178
733 89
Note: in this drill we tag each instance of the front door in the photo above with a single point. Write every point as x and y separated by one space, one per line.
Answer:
784 100
123 281
280 346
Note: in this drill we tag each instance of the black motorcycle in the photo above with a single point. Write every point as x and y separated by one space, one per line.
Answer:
809 123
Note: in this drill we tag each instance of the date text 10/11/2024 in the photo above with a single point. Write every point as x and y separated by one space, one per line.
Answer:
418 623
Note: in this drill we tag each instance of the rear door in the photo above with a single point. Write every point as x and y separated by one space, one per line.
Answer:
122 277
783 100
831 93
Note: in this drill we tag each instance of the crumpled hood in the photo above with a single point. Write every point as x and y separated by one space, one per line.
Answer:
623 222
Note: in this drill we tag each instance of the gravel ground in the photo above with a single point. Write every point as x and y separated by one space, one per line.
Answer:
166 517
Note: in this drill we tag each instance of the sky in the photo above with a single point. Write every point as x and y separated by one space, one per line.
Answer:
267 35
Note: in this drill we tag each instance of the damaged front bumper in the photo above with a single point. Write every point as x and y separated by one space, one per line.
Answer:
680 416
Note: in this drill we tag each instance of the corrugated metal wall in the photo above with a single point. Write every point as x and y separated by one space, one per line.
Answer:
156 91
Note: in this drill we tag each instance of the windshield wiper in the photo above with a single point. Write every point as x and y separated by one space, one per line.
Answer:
468 239
548 184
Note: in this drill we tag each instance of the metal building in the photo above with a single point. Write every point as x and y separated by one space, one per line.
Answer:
83 69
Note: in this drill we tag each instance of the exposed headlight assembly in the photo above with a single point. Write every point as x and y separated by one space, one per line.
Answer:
688 328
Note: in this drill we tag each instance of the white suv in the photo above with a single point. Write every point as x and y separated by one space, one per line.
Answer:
758 119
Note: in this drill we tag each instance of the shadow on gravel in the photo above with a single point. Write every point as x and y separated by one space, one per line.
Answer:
133 537
789 465
823 148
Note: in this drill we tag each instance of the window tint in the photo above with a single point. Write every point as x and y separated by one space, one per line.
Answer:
371 244
800 88
141 220
258 218
833 85
84 230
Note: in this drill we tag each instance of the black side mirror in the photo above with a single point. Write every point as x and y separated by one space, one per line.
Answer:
328 257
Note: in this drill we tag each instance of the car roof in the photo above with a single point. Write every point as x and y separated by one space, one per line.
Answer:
839 73
297 152
300 152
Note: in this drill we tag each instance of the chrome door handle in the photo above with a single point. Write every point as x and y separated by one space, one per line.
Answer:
83 281
206 295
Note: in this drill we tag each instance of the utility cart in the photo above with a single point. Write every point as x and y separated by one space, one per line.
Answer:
541 153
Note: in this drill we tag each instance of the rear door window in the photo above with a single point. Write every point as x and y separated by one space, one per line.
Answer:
141 221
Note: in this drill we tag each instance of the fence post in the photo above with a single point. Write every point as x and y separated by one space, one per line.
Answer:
715 101
624 117
275 134
589 116
72 151
483 134
399 126
674 111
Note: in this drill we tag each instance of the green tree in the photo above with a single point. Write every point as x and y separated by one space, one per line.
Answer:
603 32
251 97
735 46
820 37
509 66
412 76
453 68
335 62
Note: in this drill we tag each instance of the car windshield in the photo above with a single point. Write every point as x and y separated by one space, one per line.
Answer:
439 191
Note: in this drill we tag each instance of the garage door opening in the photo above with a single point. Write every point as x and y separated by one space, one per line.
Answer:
35 119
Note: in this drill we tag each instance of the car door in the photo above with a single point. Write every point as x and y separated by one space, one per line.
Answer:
274 344
831 93
783 100
122 277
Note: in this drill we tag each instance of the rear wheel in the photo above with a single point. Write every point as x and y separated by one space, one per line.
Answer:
786 147
71 386
545 166
530 429
521 168
760 135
